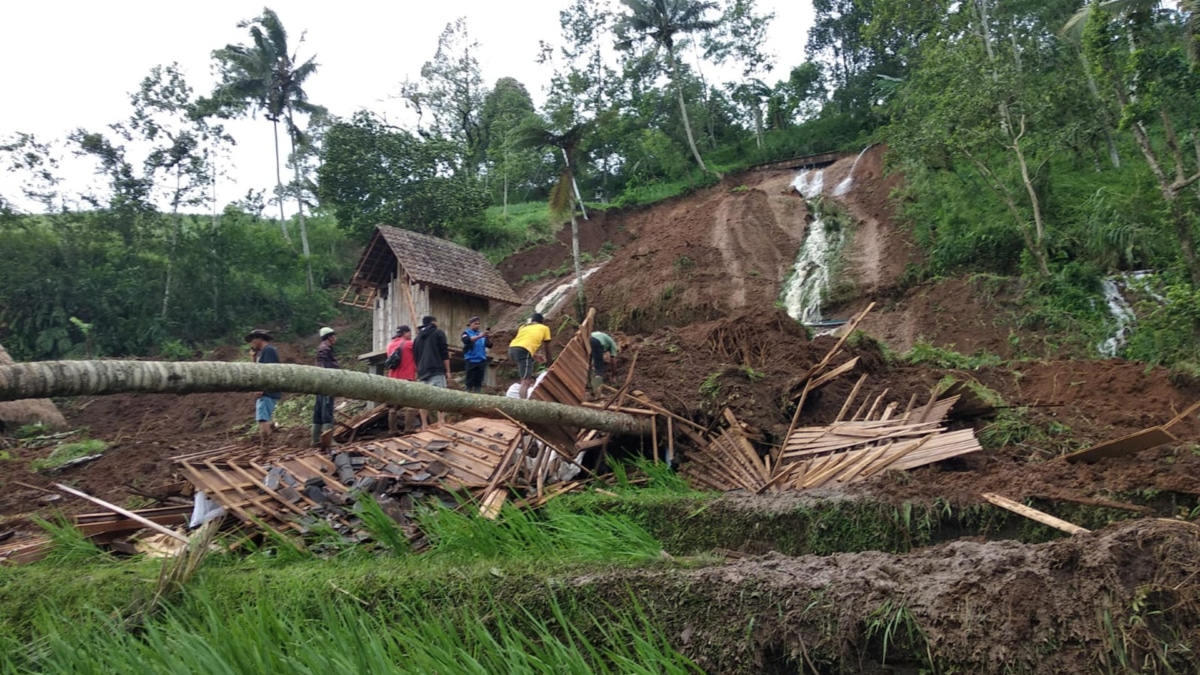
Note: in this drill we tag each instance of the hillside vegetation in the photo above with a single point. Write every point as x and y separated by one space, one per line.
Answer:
1057 142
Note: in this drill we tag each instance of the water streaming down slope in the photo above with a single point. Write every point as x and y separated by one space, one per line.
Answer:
810 282
550 301
846 183
1122 312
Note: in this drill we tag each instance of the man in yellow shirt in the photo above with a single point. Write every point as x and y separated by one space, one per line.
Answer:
523 350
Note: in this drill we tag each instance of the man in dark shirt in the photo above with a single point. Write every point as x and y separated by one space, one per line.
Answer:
262 351
433 359
433 354
323 409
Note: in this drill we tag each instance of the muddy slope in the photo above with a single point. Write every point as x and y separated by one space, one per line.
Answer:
1129 594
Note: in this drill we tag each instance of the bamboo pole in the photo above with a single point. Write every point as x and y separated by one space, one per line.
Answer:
124 512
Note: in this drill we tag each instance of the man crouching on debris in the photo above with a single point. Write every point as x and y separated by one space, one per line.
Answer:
323 410
262 351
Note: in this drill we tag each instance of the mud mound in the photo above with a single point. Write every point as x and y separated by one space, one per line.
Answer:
1129 594
751 363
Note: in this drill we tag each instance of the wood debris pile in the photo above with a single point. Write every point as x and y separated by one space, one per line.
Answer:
877 437
480 463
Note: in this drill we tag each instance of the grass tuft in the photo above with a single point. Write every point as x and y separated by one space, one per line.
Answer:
68 452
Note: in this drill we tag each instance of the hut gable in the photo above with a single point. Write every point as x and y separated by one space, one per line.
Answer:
435 262
404 275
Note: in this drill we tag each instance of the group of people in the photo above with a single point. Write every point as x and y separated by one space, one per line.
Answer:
262 351
426 359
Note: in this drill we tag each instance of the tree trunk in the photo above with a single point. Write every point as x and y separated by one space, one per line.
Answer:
687 123
758 125
574 187
74 378
174 242
580 299
279 185
1113 155
300 213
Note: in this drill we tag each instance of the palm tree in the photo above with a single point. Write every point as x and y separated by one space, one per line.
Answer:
565 193
661 21
269 78
752 94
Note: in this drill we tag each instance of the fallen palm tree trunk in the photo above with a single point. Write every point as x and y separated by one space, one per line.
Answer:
74 378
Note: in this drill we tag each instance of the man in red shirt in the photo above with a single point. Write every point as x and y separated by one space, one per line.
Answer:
406 370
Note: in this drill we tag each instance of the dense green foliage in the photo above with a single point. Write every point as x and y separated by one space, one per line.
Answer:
1051 140
71 287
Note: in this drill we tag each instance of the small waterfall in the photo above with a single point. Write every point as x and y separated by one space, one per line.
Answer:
848 182
811 278
1122 312
551 300
810 184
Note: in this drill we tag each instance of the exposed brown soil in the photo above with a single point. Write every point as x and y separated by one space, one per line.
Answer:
967 606
691 291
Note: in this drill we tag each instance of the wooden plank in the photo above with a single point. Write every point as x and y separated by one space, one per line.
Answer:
875 405
850 399
1182 416
1126 445
1034 514
834 374
124 512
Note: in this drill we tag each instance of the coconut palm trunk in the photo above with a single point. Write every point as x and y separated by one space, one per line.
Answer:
279 184
687 123
293 133
44 379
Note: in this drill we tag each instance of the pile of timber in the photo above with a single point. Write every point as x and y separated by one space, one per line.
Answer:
480 463
877 437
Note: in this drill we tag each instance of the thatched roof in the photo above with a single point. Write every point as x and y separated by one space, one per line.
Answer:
430 261
29 411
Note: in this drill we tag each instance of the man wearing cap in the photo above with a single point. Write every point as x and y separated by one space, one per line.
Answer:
406 369
262 351
323 410
523 350
475 345
433 354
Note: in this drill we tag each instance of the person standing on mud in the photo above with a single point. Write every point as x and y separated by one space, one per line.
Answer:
601 343
262 351
406 369
323 410
523 350
475 345
433 359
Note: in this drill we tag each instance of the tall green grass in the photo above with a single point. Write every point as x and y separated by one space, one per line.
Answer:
462 537
344 636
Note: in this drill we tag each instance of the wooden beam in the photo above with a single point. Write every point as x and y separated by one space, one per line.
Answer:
1126 445
1034 514
124 512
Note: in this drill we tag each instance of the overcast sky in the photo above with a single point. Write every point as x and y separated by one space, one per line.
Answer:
72 63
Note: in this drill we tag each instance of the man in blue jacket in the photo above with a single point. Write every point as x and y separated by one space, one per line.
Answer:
475 345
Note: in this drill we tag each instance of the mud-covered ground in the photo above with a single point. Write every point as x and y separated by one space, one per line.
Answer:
690 292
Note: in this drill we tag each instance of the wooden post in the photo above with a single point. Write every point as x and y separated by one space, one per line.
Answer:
128 514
